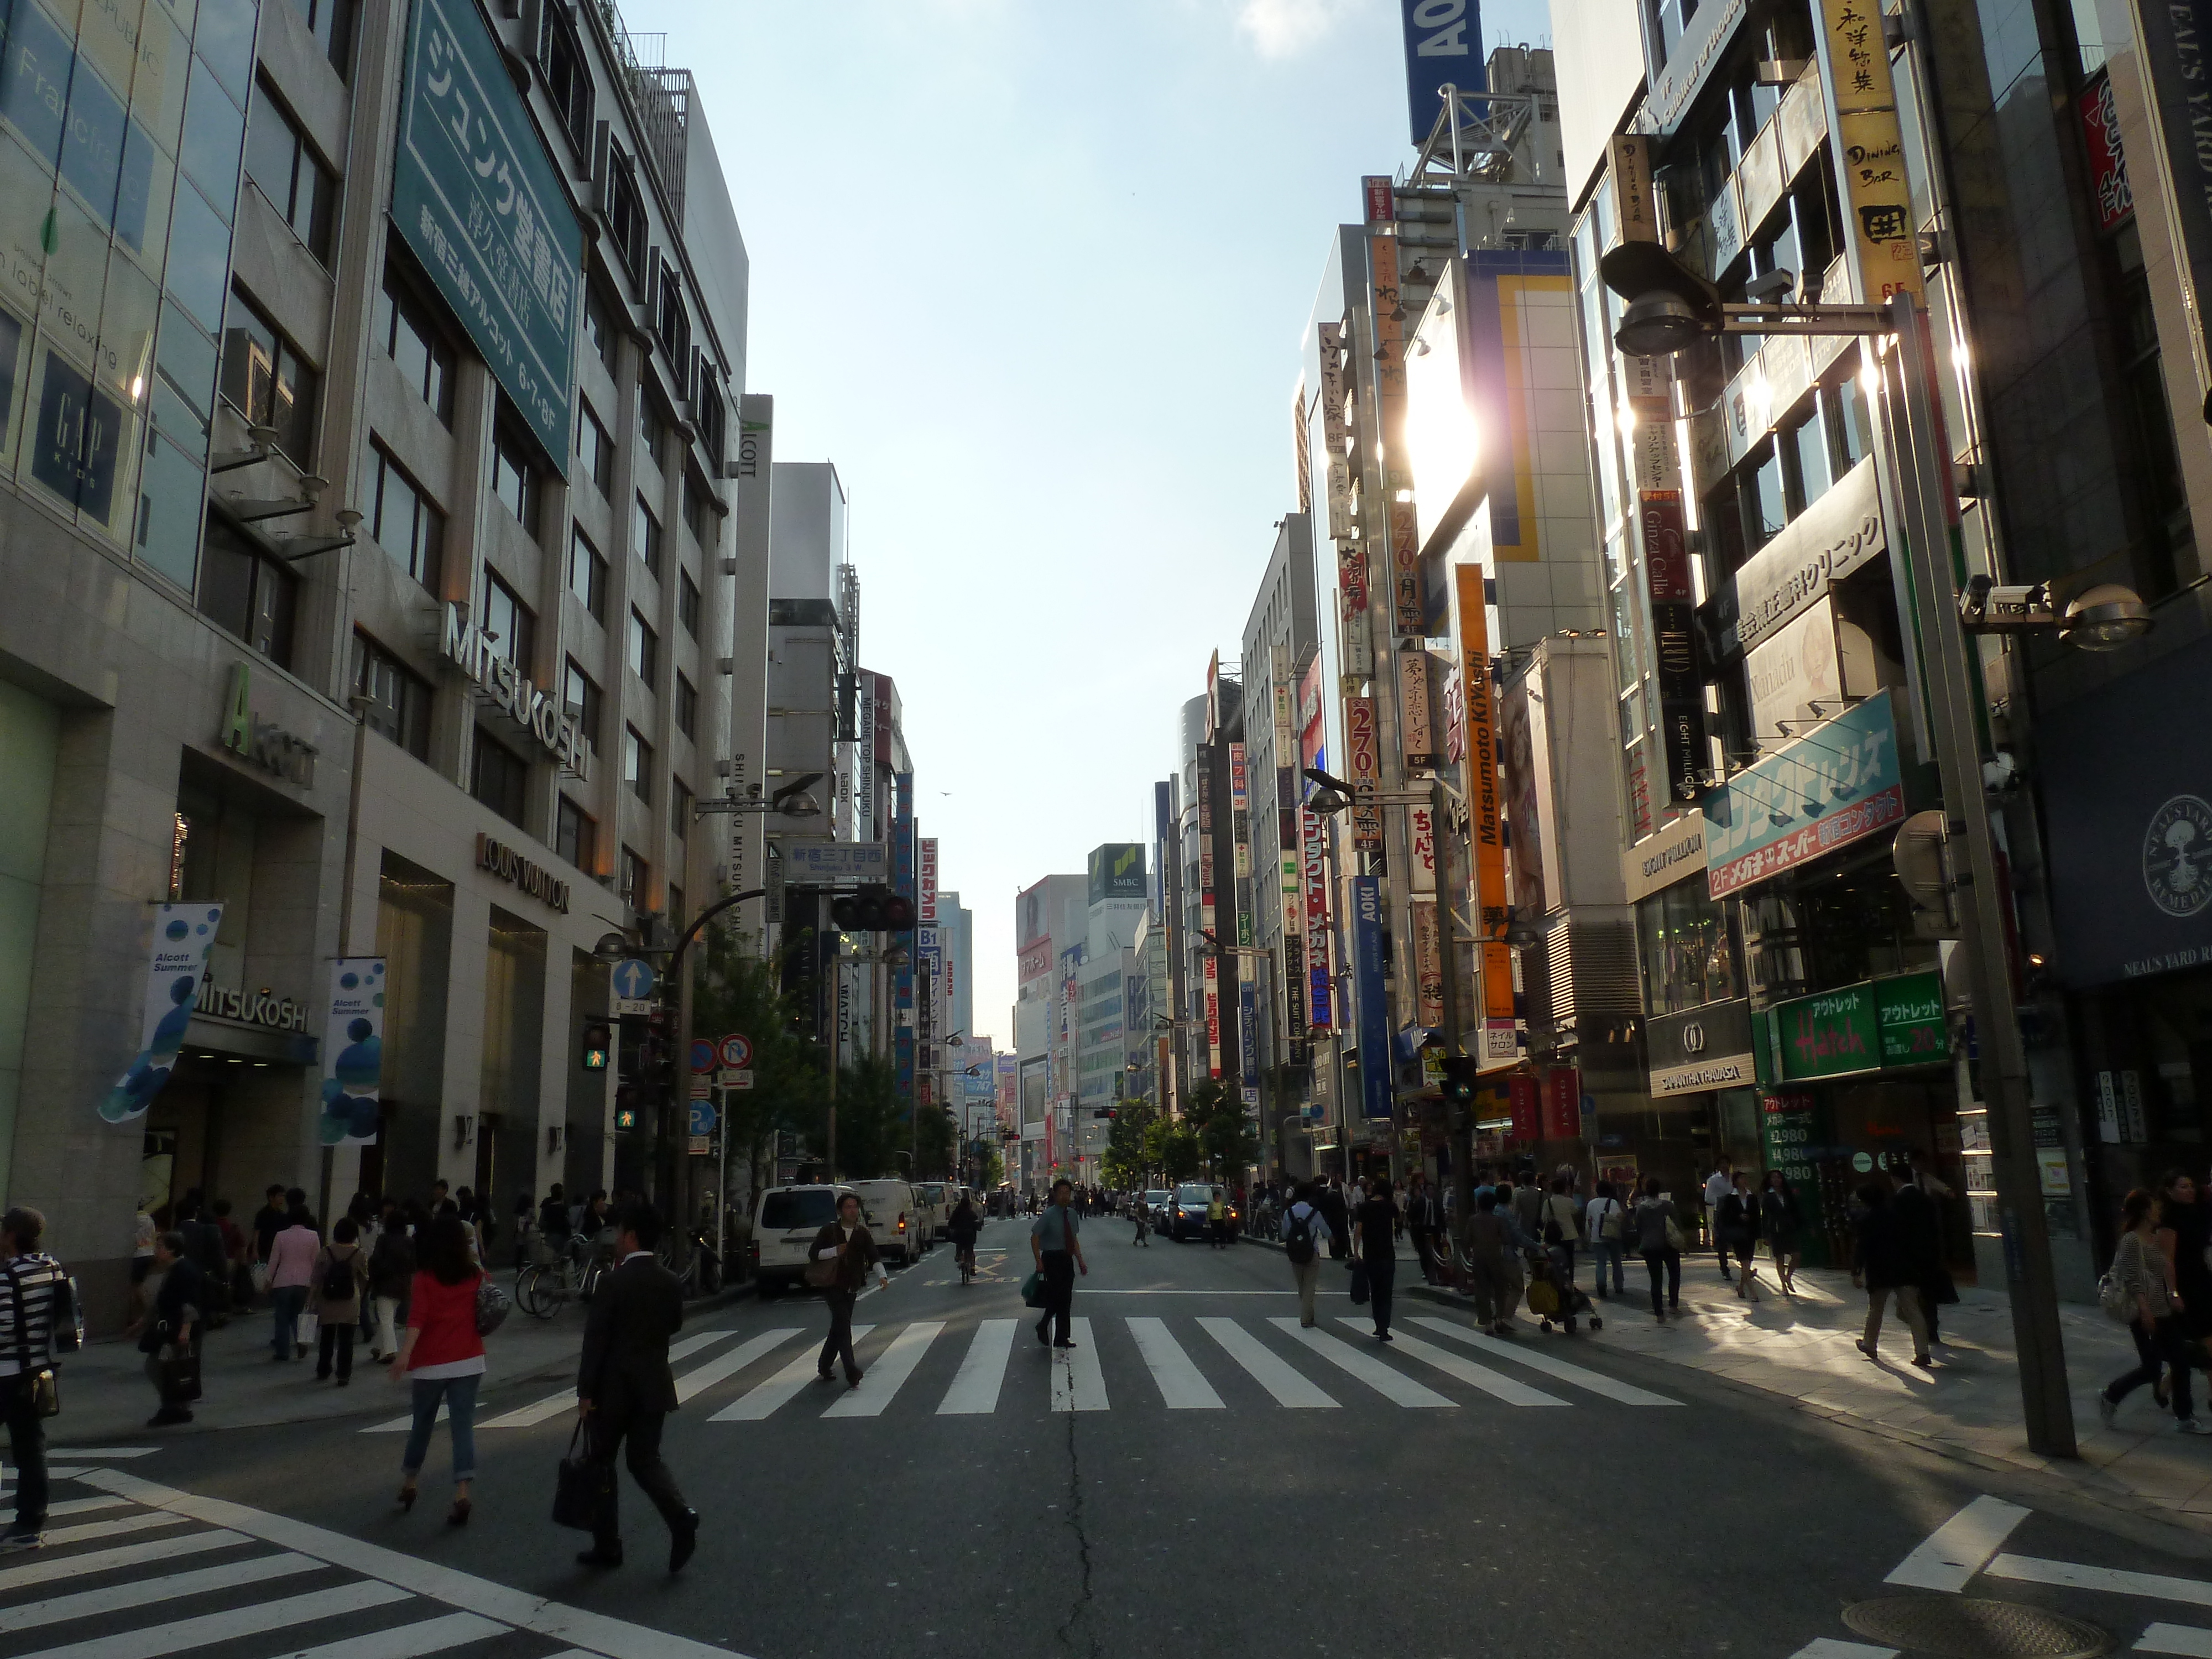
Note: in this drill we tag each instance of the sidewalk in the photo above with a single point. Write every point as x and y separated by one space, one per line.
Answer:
105 1398
1801 1349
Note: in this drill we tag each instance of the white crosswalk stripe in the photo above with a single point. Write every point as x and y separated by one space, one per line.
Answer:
1079 1384
974 1391
1498 1347
1393 1385
1271 1373
883 1379
49 1568
1183 1387
450 1630
553 1404
179 1635
765 1397
1475 1376
728 1363
143 1592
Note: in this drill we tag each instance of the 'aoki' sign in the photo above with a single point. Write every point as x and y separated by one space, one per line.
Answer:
539 712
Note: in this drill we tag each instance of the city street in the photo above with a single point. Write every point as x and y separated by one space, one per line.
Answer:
1196 1472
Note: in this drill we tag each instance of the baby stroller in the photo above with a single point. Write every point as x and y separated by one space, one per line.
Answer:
1554 1298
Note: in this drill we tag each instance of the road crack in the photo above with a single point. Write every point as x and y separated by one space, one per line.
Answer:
1074 1519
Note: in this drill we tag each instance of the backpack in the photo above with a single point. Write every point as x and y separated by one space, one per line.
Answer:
338 1279
1298 1239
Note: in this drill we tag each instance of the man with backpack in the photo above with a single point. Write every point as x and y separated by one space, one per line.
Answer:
1304 1231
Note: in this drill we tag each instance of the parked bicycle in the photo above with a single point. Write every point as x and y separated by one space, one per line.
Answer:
553 1279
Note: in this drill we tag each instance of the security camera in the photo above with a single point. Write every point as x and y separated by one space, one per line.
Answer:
1773 288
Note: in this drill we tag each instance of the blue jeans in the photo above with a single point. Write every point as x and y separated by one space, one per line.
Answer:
1602 1251
459 1395
287 1302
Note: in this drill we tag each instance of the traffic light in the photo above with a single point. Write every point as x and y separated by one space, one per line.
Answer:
873 910
1458 1079
1105 1112
660 1066
597 1039
625 1107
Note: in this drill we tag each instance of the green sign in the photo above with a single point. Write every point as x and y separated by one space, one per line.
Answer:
1866 1027
475 195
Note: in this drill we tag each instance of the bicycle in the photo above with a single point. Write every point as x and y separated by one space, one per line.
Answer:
701 1272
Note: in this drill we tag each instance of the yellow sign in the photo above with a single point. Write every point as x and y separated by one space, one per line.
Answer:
1878 198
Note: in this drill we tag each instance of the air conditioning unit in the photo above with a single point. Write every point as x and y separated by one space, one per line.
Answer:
723 769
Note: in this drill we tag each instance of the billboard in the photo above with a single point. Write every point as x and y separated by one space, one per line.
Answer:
476 196
1443 47
925 904
1838 783
1373 1012
1117 871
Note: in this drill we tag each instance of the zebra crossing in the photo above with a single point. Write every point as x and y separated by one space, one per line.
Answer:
1207 1364
162 1571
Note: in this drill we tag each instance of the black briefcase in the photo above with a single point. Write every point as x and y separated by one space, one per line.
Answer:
586 1491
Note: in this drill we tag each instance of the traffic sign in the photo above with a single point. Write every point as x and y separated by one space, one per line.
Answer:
703 1055
734 1077
735 1050
633 985
702 1089
702 1117
818 862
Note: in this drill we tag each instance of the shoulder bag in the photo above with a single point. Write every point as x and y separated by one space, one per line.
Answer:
585 1488
1676 1240
45 1388
821 1270
492 1305
1359 1287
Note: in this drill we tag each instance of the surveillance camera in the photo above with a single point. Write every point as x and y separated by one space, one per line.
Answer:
1773 288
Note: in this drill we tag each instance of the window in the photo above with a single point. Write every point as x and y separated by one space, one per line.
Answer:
575 837
415 342
595 450
580 700
567 74
636 880
625 210
1765 511
652 427
687 706
1684 940
304 192
498 777
676 912
1810 457
687 603
598 328
405 524
699 514
252 595
331 21
587 575
644 649
645 531
637 765
399 698
266 380
714 415
507 622
514 475
671 323
679 809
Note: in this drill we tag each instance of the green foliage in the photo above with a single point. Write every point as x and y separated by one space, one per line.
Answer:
991 1171
1171 1147
1125 1164
734 990
1225 1143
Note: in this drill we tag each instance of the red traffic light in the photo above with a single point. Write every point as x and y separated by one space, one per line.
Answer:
873 910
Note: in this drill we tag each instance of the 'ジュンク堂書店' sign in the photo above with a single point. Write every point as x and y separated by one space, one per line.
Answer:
476 198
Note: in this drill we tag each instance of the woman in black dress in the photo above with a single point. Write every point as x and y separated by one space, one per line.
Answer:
1783 1226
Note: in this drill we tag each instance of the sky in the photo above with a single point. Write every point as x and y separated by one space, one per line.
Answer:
1033 275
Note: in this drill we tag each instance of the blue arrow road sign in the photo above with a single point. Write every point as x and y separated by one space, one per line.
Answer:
633 980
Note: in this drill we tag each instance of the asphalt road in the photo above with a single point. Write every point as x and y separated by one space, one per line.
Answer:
1219 1484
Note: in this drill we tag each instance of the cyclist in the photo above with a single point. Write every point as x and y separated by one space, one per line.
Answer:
961 1228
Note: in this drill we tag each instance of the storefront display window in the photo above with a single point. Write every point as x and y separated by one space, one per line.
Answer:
1688 957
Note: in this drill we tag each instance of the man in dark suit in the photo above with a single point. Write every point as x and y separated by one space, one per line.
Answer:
624 1387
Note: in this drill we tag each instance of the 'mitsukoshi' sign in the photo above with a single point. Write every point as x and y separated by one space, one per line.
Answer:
539 712
474 194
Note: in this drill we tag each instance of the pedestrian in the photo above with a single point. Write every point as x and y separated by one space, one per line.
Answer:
341 1273
291 1273
1374 1228
1136 1214
1718 1185
1782 1224
2140 1266
851 1246
1736 1222
2184 1235
553 1221
204 1245
391 1270
1424 1221
38 1321
1056 1246
526 1219
1521 1246
625 1390
1883 1263
236 1255
1337 1214
1659 1239
1217 1220
143 1230
1562 1231
442 1359
1489 1251
1305 1229
165 1335
1606 1222
268 1221
1923 1241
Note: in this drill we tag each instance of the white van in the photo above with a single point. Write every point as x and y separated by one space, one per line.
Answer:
938 1199
895 1219
789 1218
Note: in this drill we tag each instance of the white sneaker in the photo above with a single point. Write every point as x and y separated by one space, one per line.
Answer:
2107 1409
2190 1425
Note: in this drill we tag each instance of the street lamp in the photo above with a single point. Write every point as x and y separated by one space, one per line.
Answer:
793 800
1671 307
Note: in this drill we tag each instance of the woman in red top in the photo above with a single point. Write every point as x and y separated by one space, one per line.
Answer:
444 1358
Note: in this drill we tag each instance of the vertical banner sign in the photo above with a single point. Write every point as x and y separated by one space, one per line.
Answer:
1316 864
183 936
1486 831
1240 817
475 195
1247 1040
1374 1009
1397 516
1294 984
1363 770
1523 1100
2108 159
1443 48
1563 1104
1635 202
1421 850
902 883
925 907
1211 973
353 1052
1674 642
1862 114
1428 963
1335 434
864 786
1417 731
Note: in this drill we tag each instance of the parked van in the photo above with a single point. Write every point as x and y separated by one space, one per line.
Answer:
937 1201
895 1219
789 1218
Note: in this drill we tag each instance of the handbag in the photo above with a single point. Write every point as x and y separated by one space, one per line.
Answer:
46 1388
583 1489
821 1271
1033 1290
180 1373
1359 1291
307 1330
493 1306
1676 1240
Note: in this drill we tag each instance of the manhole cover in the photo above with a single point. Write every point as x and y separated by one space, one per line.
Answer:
1962 1627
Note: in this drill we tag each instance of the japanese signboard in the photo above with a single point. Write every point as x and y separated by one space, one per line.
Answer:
1485 831
1563 1104
1416 734
1368 987
1443 48
925 904
2108 163
1878 211
1362 763
475 195
1428 963
1838 783
1674 641
1873 1025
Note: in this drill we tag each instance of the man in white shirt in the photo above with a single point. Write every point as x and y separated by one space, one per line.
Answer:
1718 1185
1304 1231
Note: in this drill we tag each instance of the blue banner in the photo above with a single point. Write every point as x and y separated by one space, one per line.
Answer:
1443 47
1371 995
1837 784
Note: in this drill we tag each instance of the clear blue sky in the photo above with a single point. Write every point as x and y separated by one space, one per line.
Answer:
1033 274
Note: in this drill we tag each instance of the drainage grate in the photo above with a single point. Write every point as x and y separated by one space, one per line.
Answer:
1962 1627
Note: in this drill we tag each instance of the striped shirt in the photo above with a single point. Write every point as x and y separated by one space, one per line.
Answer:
40 1279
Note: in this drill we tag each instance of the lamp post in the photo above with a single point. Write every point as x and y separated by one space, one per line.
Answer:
1669 308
